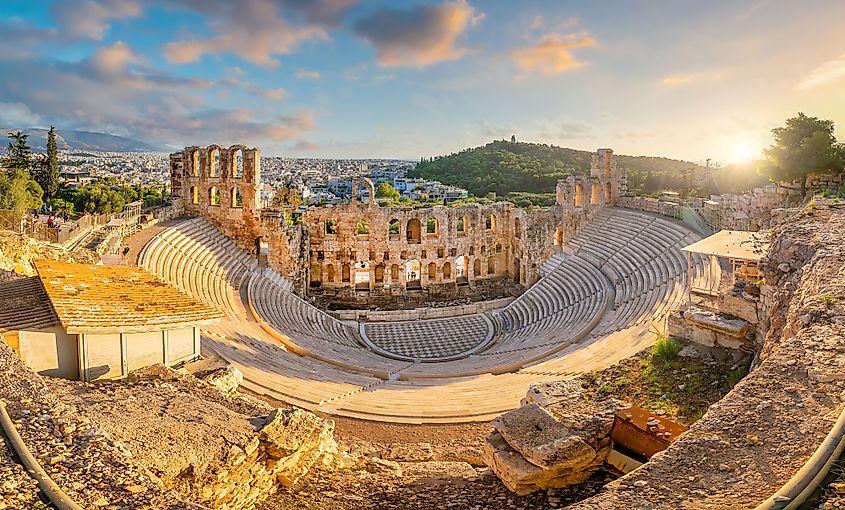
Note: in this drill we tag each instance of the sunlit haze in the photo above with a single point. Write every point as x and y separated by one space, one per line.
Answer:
343 78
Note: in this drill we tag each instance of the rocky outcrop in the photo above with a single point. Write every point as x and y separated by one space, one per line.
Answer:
218 450
18 252
756 438
558 437
90 466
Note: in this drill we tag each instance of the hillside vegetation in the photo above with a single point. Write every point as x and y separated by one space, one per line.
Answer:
528 172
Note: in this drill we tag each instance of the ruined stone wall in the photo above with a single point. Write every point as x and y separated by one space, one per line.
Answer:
221 184
445 252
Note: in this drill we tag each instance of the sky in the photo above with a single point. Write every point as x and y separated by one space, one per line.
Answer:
408 79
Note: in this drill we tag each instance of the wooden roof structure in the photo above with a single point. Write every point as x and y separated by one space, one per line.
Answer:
117 299
25 305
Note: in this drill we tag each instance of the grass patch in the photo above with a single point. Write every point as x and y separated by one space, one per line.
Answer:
827 299
662 380
665 349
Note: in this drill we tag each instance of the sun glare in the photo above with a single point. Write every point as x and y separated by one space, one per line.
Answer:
743 153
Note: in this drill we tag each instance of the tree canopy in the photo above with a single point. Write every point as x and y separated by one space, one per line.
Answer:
18 191
385 190
533 169
803 146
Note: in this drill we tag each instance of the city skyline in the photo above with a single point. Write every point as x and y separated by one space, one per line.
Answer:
348 79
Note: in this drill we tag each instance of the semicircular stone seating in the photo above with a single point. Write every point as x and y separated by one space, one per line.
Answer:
593 306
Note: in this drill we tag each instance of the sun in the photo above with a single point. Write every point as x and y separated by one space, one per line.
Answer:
743 153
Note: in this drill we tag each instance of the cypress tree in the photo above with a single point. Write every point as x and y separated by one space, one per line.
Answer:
51 170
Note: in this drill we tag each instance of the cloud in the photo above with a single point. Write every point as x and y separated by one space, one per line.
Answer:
831 71
304 74
553 54
91 18
116 91
566 131
683 79
493 131
304 146
18 115
274 94
256 30
419 36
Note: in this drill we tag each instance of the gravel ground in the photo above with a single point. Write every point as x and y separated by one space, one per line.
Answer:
17 488
354 490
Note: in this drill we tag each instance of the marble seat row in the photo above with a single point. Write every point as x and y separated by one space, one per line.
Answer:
202 262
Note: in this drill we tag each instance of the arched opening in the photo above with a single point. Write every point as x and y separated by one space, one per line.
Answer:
413 231
214 196
490 223
362 275
344 273
447 271
237 199
331 226
362 228
379 274
412 274
516 271
393 229
330 273
432 271
237 163
579 194
517 227
431 226
559 236
608 196
594 194
315 275
214 163
394 273
195 163
461 271
461 226
491 266
363 191
476 268
195 195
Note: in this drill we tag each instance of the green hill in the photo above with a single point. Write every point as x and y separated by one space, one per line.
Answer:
528 168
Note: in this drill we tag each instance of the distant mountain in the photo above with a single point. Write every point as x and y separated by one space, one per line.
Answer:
506 167
86 141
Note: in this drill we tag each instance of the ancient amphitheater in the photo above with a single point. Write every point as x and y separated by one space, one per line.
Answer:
599 281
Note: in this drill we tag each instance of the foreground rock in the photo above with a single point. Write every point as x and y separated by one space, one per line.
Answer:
89 465
217 450
558 438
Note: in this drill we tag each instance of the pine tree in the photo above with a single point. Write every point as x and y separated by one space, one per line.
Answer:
19 153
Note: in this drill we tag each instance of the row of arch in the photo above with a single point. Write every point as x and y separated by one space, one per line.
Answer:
215 196
236 162
595 194
362 274
414 227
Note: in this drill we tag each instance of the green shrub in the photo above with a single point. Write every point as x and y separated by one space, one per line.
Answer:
665 349
827 299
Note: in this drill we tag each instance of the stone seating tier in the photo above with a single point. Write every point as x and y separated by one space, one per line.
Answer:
592 306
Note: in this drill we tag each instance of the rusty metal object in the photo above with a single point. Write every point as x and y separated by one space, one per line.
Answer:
644 432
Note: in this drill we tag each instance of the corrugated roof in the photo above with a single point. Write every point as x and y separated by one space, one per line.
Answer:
733 244
25 306
112 299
